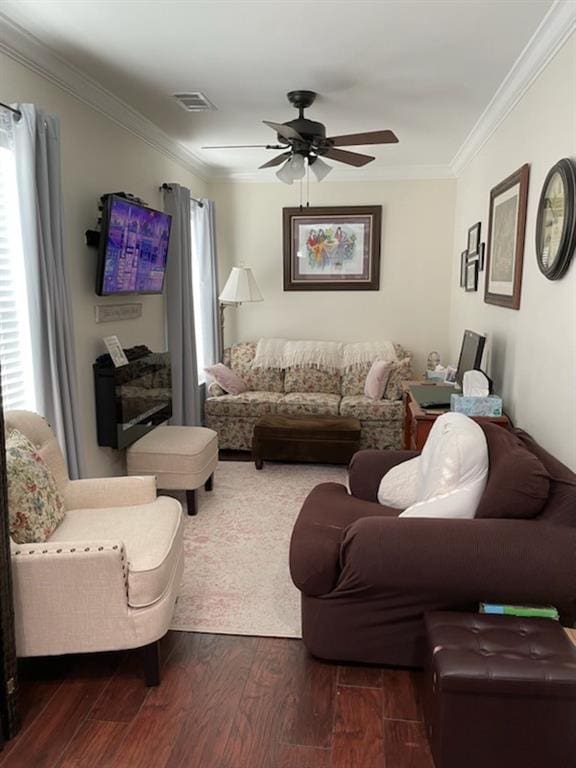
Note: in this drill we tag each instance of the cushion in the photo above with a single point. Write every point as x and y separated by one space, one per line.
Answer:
366 409
309 403
226 378
518 483
244 405
452 470
35 505
299 378
152 536
399 486
256 379
377 379
400 372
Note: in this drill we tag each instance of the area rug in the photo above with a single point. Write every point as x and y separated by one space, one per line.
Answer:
236 577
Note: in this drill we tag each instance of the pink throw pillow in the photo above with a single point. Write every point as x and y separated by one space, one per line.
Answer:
226 378
377 379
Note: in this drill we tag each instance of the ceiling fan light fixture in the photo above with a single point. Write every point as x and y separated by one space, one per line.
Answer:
320 169
297 167
285 173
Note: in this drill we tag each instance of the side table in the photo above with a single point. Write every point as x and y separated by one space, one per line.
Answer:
418 421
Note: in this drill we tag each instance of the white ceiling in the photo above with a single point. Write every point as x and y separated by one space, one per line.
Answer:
423 68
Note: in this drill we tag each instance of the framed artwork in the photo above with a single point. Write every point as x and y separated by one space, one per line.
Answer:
556 220
463 265
332 249
474 239
471 283
506 229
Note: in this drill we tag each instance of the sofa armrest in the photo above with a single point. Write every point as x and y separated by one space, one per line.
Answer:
214 390
101 492
367 469
465 560
60 587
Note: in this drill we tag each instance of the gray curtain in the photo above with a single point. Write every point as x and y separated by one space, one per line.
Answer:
41 209
205 245
186 405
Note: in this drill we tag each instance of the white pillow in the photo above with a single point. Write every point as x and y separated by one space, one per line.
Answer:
461 503
453 469
454 455
398 488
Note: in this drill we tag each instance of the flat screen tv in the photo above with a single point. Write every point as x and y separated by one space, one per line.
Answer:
133 248
470 354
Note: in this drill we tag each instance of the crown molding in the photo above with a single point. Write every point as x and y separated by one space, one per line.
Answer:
28 50
375 174
551 34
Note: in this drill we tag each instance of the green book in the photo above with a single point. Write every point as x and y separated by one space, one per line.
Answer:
528 611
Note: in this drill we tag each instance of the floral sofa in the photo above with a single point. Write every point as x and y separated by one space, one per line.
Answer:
305 390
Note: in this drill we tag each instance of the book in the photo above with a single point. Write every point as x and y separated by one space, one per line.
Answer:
527 611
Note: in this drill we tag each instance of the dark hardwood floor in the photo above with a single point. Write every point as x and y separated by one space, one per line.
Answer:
224 702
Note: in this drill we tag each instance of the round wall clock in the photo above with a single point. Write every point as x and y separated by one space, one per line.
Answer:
556 222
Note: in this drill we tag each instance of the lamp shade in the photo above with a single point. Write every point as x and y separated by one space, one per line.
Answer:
240 287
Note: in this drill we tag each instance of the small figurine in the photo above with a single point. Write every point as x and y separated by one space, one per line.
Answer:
433 361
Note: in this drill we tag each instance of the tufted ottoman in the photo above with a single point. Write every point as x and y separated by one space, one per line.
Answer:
500 692
181 458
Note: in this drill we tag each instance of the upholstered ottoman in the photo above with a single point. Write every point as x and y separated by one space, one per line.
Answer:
321 439
500 692
181 458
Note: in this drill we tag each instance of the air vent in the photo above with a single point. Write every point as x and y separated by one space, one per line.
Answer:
194 102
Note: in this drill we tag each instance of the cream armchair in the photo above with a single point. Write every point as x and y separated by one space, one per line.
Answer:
108 577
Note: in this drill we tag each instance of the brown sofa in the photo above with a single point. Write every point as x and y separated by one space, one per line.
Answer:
367 577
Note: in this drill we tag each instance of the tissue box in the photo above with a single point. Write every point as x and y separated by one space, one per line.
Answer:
491 405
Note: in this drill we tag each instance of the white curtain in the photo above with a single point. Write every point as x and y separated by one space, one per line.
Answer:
204 229
37 147
186 405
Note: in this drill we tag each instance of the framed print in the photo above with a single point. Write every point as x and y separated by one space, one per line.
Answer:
463 263
332 249
556 220
474 239
506 228
471 275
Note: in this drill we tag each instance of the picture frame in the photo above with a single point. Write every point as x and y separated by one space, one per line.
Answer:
463 265
332 248
506 234
473 246
471 283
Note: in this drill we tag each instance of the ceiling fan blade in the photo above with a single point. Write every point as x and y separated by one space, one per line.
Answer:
372 137
286 131
350 158
278 160
245 146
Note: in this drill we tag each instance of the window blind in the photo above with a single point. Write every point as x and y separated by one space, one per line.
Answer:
15 354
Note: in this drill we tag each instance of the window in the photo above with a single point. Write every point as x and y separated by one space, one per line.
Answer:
15 345
203 286
199 315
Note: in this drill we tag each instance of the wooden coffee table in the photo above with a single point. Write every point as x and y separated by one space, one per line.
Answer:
318 439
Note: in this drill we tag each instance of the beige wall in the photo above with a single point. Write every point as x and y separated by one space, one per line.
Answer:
412 304
532 351
97 156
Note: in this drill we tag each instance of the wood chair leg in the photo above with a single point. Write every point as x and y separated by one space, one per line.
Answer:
209 484
152 663
191 502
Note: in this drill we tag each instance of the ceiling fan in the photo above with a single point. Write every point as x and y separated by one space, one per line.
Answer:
303 139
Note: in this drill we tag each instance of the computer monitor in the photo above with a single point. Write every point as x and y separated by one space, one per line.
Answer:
470 354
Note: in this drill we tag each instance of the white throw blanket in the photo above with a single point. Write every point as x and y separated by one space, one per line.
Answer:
367 351
332 355
269 353
314 354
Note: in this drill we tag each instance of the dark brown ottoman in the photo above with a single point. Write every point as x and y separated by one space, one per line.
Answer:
320 439
500 692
